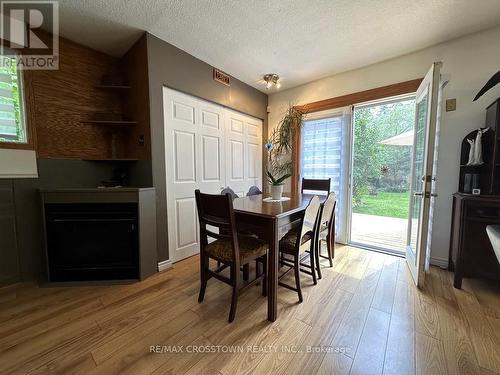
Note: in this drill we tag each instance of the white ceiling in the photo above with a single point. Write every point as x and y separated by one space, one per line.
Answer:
301 40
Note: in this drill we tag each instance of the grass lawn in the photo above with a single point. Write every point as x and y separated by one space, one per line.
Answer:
384 204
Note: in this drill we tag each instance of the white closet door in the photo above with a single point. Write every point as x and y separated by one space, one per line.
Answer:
194 150
207 147
244 152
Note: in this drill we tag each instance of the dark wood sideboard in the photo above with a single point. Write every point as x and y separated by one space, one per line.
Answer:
471 253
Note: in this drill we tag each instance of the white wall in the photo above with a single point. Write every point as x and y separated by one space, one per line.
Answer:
468 62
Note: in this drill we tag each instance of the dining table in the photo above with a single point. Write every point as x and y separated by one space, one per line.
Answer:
271 220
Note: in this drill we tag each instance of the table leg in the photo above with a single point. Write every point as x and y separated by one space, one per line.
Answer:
272 267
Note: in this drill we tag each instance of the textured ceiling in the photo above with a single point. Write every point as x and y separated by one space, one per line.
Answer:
301 40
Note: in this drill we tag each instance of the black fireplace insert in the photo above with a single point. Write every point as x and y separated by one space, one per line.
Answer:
92 241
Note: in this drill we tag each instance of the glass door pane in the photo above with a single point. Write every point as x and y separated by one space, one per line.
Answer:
418 172
382 153
423 164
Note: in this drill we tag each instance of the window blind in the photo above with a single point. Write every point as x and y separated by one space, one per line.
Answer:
324 154
11 123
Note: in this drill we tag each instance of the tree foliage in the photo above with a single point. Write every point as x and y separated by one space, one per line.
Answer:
376 166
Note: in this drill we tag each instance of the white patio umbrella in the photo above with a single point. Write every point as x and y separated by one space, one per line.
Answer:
403 139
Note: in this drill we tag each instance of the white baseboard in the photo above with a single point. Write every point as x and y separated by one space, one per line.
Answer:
440 262
165 265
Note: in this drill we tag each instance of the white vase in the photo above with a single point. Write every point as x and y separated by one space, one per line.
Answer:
276 192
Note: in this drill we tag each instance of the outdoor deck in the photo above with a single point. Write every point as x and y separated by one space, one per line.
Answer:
379 231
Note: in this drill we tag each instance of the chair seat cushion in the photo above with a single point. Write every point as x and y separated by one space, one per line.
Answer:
287 243
250 248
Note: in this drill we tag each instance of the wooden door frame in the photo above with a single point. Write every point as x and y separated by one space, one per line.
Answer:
396 89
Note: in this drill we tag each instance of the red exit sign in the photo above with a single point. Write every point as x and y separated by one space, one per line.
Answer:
222 77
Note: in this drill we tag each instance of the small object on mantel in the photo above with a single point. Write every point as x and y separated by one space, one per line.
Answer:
118 179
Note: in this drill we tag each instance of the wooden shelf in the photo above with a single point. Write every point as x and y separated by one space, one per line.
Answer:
103 118
111 122
112 159
113 87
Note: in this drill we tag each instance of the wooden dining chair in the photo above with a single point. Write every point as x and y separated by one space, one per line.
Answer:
246 267
228 248
322 185
295 243
327 229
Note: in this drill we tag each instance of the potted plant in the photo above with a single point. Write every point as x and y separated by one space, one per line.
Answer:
276 181
279 147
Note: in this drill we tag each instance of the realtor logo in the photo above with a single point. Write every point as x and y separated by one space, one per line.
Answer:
30 34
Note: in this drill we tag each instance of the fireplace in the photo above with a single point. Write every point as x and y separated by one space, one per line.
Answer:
99 235
92 241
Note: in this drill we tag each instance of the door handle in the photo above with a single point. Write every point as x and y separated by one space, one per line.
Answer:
427 195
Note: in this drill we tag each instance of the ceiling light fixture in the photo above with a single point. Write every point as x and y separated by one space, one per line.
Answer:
272 79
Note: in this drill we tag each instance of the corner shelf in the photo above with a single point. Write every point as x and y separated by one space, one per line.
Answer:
113 87
113 159
116 124
111 122
104 118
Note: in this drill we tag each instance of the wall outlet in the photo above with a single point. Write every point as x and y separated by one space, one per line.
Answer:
451 105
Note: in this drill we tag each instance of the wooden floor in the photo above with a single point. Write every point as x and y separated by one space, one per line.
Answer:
364 317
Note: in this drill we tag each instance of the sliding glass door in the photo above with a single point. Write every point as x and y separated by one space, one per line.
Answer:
366 151
381 173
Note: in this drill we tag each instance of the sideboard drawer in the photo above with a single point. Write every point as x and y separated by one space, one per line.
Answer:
483 212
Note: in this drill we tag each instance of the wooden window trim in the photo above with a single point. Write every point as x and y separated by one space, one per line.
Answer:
396 89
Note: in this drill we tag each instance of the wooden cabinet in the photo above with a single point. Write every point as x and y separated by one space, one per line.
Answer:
471 253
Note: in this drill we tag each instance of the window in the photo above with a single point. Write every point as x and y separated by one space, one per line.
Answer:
12 122
324 152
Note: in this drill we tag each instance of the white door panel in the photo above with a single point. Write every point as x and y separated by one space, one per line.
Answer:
183 111
244 143
185 213
236 162
427 107
253 152
207 147
184 156
210 155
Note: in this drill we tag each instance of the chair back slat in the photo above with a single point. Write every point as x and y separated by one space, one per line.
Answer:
316 185
328 211
218 236
217 211
310 220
